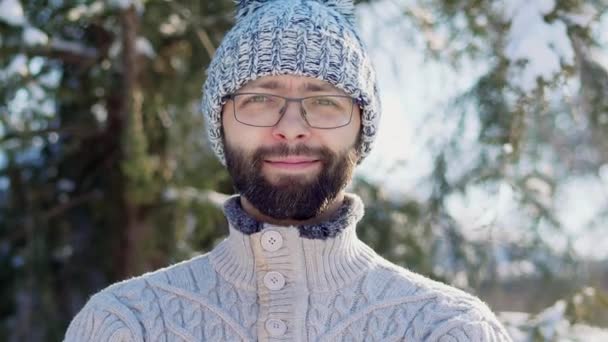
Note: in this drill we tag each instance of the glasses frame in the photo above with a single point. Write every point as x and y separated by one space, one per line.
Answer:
283 110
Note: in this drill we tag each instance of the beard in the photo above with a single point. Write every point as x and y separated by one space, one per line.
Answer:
290 197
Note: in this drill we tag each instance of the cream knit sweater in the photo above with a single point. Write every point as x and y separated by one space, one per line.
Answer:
276 284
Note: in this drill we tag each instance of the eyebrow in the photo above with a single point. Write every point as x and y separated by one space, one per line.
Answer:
269 85
308 86
318 87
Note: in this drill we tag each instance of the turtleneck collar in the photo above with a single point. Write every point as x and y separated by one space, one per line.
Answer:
311 257
349 213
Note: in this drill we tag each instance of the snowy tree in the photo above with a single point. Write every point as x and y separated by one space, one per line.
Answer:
99 120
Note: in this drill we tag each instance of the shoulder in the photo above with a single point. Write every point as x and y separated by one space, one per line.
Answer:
406 283
104 318
439 312
123 310
190 276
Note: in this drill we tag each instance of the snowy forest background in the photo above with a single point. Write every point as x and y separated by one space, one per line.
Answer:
495 179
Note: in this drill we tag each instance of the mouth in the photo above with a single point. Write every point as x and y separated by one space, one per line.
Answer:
292 162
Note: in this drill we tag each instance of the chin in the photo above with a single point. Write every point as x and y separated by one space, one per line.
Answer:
299 177
290 180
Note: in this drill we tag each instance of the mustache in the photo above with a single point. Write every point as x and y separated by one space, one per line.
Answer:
284 150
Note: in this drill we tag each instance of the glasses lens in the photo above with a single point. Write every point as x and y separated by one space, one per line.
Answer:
258 109
328 111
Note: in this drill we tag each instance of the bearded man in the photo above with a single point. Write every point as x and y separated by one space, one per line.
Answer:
291 107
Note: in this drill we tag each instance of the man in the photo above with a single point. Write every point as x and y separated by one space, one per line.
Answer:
291 107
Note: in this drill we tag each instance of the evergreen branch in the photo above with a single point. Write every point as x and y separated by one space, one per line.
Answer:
67 51
59 209
82 132
199 25
212 197
207 21
54 212
543 210
206 41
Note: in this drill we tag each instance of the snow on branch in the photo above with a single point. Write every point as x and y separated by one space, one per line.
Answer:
192 194
537 49
11 12
125 4
67 51
73 48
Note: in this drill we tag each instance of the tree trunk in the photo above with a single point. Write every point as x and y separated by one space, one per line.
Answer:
131 259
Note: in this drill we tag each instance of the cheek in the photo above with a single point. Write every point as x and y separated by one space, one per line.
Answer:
347 136
241 136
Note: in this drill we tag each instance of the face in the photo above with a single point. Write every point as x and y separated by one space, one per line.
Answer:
290 170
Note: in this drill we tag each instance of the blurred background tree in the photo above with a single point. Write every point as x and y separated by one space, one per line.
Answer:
105 172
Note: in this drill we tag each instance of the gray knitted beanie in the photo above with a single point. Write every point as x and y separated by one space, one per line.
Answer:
314 38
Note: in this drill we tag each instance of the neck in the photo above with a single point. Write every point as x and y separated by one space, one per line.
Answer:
329 210
326 255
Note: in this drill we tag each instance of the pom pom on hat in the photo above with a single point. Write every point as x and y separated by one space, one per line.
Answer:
245 7
345 7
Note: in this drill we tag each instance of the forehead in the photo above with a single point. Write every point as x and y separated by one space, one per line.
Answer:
291 82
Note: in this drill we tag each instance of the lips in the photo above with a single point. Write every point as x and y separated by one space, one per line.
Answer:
292 162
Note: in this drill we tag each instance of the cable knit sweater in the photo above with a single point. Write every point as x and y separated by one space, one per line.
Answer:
272 283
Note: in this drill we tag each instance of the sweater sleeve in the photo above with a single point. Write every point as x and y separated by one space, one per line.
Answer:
104 318
476 331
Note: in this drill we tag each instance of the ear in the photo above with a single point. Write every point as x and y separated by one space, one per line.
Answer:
246 7
344 7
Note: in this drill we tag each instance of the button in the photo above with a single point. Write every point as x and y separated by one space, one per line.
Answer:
274 280
272 240
276 327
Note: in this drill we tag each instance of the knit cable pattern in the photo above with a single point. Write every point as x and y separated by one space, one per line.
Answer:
335 289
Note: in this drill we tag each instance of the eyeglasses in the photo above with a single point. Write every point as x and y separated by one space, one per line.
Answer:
266 110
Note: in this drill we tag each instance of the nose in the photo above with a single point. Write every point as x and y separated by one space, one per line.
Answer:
291 126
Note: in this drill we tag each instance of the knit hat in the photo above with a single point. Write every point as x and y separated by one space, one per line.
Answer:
314 38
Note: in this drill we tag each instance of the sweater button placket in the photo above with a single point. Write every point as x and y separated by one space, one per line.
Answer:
274 281
271 241
276 327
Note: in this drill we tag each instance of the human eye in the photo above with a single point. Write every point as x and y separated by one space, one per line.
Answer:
325 101
257 98
255 101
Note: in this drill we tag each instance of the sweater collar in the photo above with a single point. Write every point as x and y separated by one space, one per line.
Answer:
318 257
349 213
